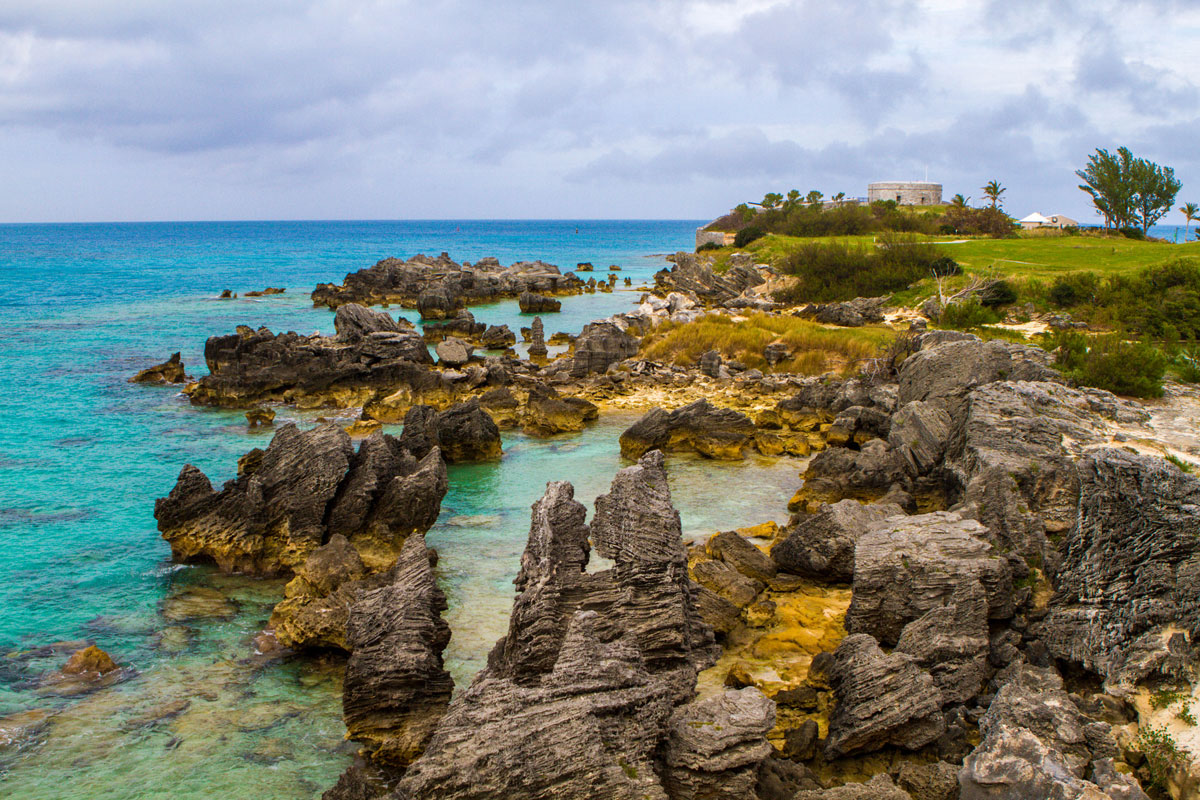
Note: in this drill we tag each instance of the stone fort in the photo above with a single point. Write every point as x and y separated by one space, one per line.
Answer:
906 193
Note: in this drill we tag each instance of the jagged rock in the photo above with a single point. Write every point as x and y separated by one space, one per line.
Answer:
882 700
91 661
710 363
537 339
700 427
723 615
270 290
1037 743
498 337
858 424
464 432
598 346
880 787
1127 592
727 582
453 352
254 367
307 486
396 688
353 322
800 744
841 473
951 642
170 371
693 275
936 781
821 545
945 373
714 747
531 303
546 412
316 604
849 314
462 325
444 284
776 353
906 566
741 555
502 406
920 432
577 696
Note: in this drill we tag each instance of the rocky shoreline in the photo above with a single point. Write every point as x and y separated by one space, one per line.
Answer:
985 575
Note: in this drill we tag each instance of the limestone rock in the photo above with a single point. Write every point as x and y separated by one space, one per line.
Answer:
944 374
502 406
464 432
453 352
741 555
699 427
880 787
498 337
396 688
920 432
821 545
531 303
710 363
354 322
727 582
260 417
599 345
936 781
951 642
882 700
170 371
90 661
546 412
723 615
537 339
906 566
840 473
694 275
1128 588
714 747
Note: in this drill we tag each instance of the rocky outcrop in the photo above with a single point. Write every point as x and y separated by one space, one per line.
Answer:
839 473
537 339
1037 743
600 345
531 303
579 699
849 314
170 371
1128 590
698 427
882 701
694 275
367 356
881 787
440 286
546 412
306 487
821 545
951 642
714 747
907 566
497 337
396 688
464 432
453 352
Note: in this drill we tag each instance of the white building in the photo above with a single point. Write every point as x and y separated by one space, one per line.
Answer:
1036 221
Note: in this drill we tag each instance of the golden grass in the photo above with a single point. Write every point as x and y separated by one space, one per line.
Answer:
816 349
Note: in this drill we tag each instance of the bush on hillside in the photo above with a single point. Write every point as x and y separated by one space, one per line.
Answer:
1073 289
967 315
1109 362
747 235
998 293
832 271
708 246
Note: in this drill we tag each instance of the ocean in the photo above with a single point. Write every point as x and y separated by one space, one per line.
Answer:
84 453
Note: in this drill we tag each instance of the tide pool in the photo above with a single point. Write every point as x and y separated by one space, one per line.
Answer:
83 454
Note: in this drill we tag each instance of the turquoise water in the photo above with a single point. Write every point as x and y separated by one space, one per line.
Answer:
83 454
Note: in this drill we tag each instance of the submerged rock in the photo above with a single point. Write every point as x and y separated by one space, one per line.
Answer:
170 371
699 427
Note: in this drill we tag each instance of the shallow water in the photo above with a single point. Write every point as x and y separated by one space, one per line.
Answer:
83 454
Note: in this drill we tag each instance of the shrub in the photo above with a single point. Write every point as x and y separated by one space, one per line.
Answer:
998 293
832 271
1187 365
1109 362
968 314
1163 757
747 235
708 246
1073 289
945 267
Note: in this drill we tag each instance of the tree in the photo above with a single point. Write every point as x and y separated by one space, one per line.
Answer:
1128 191
771 200
839 197
814 198
992 191
958 201
1191 212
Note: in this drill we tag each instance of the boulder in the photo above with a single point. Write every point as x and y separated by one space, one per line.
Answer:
498 337
840 473
91 661
919 432
906 566
260 417
936 781
546 412
821 545
700 427
882 701
727 582
741 555
531 303
710 363
951 642
502 406
1126 604
600 345
693 275
714 747
464 432
437 303
354 322
170 371
453 352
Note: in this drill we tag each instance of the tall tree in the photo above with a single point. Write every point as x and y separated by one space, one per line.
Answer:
959 201
992 191
1191 212
814 198
771 200
1128 191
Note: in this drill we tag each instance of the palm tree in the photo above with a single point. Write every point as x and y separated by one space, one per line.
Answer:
1191 212
958 201
992 192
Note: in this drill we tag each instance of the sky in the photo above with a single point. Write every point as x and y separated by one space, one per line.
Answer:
368 109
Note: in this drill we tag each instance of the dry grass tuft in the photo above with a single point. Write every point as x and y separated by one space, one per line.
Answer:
815 348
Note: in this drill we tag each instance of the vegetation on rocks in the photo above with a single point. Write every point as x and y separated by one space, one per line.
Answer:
828 271
1109 362
815 348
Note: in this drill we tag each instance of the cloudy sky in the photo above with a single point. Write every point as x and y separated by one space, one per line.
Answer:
227 109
